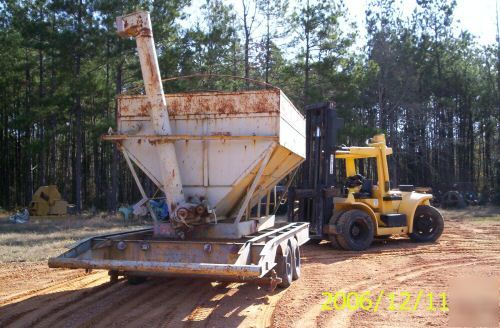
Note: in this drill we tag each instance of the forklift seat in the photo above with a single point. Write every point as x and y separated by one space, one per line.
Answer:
365 191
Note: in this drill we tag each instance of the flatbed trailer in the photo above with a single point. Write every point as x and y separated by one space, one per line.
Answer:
139 253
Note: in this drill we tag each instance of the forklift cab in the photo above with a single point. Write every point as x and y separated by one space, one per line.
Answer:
373 190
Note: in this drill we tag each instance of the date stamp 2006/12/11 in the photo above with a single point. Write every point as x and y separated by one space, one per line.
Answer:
401 301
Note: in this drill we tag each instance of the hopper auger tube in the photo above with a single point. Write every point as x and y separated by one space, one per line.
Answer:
138 25
215 155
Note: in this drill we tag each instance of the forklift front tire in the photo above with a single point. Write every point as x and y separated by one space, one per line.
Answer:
333 222
356 230
428 224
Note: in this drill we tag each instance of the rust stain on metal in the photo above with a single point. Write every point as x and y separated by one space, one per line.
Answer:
263 105
123 108
204 105
146 32
222 134
226 106
151 66
199 103
145 109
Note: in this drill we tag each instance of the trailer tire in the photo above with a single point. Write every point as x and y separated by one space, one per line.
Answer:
356 230
428 224
332 237
284 268
295 259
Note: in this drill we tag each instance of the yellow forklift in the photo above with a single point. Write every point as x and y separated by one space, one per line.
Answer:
346 207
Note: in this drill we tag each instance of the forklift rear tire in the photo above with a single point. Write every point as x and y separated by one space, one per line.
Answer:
356 230
295 259
333 238
428 224
285 268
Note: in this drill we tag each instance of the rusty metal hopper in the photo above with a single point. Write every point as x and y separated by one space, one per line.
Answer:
214 155
223 141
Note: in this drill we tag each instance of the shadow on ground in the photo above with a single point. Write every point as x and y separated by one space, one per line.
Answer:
156 302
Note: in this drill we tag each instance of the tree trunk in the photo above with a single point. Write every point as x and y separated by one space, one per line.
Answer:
113 205
78 122
268 41
41 94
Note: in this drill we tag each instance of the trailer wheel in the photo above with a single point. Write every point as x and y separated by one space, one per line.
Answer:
284 268
295 259
428 224
356 230
333 221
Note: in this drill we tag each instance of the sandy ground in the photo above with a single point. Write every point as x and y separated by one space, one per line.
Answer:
33 295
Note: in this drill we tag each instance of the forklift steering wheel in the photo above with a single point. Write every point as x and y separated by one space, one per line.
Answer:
354 181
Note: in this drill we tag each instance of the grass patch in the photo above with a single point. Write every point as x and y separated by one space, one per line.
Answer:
476 214
42 238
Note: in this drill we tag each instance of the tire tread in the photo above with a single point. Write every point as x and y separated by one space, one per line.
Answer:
432 211
342 238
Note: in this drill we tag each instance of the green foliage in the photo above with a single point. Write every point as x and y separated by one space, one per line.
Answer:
435 93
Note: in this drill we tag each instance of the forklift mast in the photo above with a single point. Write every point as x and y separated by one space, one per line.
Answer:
312 199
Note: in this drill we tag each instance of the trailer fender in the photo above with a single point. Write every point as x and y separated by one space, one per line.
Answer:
282 248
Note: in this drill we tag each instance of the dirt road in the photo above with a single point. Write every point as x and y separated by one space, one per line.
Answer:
31 294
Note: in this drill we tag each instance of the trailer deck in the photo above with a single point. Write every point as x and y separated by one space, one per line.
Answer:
140 252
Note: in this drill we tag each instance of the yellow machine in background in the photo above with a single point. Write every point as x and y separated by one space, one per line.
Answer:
369 207
345 192
48 201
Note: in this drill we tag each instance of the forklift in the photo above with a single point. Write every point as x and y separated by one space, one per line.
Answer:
345 207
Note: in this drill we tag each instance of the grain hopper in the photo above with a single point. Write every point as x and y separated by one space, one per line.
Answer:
215 155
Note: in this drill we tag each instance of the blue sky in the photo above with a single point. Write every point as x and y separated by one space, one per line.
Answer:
476 16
